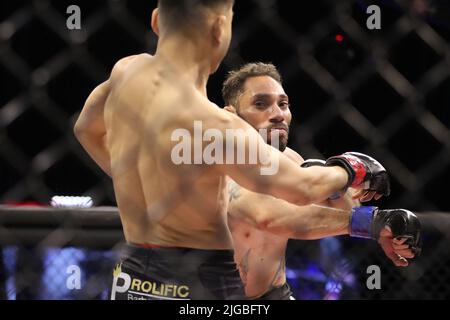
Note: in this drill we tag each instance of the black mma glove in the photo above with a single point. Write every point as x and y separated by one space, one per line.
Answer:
367 222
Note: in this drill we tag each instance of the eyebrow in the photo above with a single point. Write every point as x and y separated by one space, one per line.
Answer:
267 95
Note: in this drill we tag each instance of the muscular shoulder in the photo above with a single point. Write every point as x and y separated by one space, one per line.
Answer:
121 65
215 117
293 155
228 120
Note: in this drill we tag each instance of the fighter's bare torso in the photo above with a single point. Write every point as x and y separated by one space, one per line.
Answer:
260 255
159 202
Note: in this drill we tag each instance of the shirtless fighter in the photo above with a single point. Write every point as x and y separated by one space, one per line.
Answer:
261 224
174 215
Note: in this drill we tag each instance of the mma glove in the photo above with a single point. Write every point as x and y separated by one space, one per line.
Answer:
363 171
367 222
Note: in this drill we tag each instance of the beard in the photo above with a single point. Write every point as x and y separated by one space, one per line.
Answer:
283 139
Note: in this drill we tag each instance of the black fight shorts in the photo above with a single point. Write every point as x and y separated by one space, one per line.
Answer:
161 273
279 293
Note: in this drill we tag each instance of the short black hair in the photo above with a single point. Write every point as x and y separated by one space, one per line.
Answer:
234 82
179 14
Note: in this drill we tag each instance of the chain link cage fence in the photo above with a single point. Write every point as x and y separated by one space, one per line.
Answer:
385 92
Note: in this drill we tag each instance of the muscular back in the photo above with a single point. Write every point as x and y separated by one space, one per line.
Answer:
160 202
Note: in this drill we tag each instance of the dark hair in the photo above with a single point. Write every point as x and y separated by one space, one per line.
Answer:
234 82
180 14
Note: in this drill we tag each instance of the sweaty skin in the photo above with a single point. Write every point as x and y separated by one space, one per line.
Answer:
161 203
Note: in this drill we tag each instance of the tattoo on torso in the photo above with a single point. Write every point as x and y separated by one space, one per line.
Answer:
234 191
243 266
281 270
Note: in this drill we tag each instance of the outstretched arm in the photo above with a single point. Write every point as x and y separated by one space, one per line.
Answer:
316 221
285 219
284 179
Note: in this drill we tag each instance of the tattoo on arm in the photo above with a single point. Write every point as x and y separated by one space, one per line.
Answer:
234 190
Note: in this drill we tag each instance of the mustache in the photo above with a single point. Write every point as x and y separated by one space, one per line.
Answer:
278 126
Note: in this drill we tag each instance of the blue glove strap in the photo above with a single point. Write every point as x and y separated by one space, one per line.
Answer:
361 222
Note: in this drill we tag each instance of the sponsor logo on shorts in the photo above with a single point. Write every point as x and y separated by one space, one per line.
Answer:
138 289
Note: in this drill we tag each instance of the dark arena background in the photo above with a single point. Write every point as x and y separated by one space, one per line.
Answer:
385 92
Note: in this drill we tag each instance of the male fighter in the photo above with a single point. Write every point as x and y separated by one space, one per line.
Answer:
174 215
261 224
